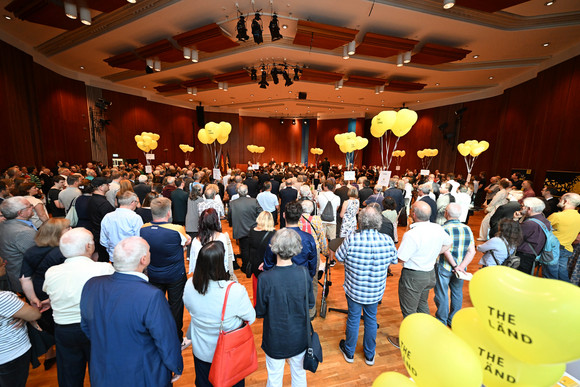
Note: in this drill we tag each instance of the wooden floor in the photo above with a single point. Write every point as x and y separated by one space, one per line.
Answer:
334 371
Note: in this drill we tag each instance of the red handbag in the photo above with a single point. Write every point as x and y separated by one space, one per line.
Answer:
235 354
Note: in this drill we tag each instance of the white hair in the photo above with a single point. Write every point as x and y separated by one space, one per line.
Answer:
534 204
142 178
286 243
453 210
11 206
73 243
128 253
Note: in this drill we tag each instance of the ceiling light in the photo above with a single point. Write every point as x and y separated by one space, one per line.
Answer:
257 29
340 83
381 88
475 56
149 65
407 57
131 1
70 10
251 95
190 90
546 44
491 77
336 86
448 4
253 74
281 121
284 26
7 17
242 30
157 65
275 28
376 90
190 100
264 79
214 99
351 48
400 60
287 79
82 67
144 87
418 101
549 3
274 73
293 122
225 86
194 55
437 84
345 52
85 16
220 85
297 72
186 52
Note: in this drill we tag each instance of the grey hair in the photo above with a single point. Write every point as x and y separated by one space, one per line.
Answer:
170 180
422 211
535 204
209 193
11 206
128 253
425 189
307 206
572 198
142 178
463 189
160 207
453 210
73 242
127 198
305 191
392 183
243 190
286 243
370 219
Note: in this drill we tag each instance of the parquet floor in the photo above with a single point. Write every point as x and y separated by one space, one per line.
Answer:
334 371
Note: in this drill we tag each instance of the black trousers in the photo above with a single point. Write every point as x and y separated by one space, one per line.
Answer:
526 262
15 372
73 353
175 299
245 251
202 374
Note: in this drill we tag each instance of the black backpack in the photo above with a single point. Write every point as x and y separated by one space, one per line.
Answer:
512 260
327 214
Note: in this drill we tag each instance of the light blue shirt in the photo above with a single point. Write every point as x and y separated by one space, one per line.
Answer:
118 225
267 200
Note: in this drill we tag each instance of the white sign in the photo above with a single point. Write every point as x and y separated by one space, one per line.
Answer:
217 174
186 162
115 155
384 178
424 172
349 176
148 169
255 167
397 168
149 156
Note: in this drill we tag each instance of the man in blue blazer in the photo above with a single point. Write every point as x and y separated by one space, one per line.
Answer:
129 324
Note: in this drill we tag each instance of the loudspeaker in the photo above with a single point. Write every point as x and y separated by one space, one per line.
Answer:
302 95
200 116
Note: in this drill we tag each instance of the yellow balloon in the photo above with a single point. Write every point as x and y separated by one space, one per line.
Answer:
191 149
436 357
146 149
500 369
463 149
471 143
138 138
406 118
338 138
387 119
153 145
421 154
476 150
350 135
223 139
485 145
435 152
203 137
141 145
344 148
225 128
393 379
534 319
402 153
156 137
360 142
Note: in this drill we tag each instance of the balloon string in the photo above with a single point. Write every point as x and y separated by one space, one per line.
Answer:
467 164
394 148
388 141
382 157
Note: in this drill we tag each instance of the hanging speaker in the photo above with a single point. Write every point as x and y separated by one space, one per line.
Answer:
302 95
200 116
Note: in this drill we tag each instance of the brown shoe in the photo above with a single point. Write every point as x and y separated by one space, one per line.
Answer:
394 340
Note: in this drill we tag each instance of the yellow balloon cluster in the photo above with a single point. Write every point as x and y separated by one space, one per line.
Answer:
349 142
185 148
399 153
316 151
214 131
147 141
256 149
398 122
472 147
427 153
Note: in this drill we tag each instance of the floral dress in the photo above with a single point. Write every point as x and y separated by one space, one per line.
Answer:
349 219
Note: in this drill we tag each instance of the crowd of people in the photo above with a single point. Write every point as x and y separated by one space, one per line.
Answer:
99 255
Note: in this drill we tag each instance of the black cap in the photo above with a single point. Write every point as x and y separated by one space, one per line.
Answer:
99 181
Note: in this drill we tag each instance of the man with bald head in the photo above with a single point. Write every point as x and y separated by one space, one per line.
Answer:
455 260
64 284
418 252
130 324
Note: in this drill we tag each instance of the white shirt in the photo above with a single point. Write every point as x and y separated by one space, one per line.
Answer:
118 225
464 200
422 244
323 198
267 200
64 283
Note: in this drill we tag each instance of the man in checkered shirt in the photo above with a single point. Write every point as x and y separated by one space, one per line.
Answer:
452 261
366 255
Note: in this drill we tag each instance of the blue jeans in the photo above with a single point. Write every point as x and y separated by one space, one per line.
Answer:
558 270
352 327
445 280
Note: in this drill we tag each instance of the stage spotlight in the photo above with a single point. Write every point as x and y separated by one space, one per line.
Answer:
274 73
281 121
264 81
287 77
253 74
275 28
297 72
257 29
293 122
242 30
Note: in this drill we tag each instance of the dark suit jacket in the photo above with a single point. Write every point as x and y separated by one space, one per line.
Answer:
551 206
342 193
141 189
287 195
133 340
252 187
502 212
387 228
397 196
179 205
243 211
275 186
433 206
364 194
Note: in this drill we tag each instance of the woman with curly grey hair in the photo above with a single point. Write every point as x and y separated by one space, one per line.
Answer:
281 303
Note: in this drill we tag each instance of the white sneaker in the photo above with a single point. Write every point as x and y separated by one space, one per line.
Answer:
185 343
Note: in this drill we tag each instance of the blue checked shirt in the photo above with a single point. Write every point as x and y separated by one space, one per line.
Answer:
366 256
462 237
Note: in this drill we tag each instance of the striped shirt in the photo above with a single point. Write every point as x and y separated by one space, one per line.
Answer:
366 256
462 237
14 342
